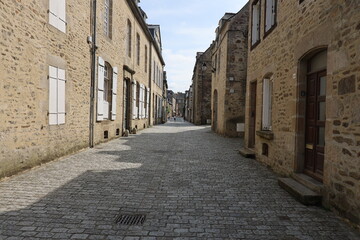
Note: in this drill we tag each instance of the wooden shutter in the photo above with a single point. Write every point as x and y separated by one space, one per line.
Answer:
100 90
266 125
134 100
269 15
52 95
147 104
61 96
57 14
114 93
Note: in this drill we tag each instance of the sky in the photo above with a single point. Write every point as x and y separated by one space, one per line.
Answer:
187 27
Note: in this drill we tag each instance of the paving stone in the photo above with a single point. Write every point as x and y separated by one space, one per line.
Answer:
189 182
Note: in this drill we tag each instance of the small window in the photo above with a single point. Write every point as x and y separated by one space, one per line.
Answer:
270 15
117 132
108 18
255 28
57 84
106 134
128 39
57 14
138 49
267 104
265 149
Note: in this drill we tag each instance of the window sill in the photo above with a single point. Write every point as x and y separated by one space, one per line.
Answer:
269 135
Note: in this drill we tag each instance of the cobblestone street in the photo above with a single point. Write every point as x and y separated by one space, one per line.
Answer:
189 182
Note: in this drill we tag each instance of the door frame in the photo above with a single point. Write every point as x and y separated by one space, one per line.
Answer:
252 114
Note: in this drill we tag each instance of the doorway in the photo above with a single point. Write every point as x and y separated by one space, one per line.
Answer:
126 122
215 111
315 124
252 115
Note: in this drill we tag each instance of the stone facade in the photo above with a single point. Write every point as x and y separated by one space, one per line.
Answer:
201 83
308 37
229 63
37 44
157 66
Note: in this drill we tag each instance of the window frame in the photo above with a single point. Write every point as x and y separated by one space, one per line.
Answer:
273 26
108 18
129 39
138 49
267 112
253 45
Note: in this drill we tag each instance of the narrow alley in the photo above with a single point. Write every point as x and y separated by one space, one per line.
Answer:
188 182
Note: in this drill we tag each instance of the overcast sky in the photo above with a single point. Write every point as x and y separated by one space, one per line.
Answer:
187 27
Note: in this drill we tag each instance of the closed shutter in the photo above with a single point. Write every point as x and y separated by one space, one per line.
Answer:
255 23
57 14
61 96
114 93
134 100
100 90
266 104
52 95
147 104
142 101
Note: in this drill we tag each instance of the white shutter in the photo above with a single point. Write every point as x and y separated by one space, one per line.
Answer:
57 14
52 95
61 96
134 100
142 101
269 15
147 104
255 23
114 93
100 90
266 104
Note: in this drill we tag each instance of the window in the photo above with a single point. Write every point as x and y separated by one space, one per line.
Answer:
138 49
128 39
146 94
270 15
107 91
108 18
146 58
267 104
255 28
138 100
57 83
57 14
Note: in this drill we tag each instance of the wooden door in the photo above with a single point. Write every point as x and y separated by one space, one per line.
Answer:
252 114
315 124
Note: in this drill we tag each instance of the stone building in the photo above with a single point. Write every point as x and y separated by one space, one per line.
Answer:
229 64
157 65
65 83
180 104
303 95
201 82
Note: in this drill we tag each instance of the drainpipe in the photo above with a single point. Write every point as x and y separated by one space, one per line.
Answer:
93 73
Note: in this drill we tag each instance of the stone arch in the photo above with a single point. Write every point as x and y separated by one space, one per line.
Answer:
304 67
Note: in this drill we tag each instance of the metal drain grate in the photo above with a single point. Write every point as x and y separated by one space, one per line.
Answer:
130 219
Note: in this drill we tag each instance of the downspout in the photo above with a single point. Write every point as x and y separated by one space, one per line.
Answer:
150 82
93 73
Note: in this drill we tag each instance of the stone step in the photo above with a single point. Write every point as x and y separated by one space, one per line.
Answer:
308 182
248 153
300 192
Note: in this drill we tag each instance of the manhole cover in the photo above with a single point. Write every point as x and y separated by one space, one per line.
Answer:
130 219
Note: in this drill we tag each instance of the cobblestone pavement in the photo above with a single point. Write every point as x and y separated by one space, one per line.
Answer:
190 183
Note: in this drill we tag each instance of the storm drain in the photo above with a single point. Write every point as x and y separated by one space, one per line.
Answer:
130 219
